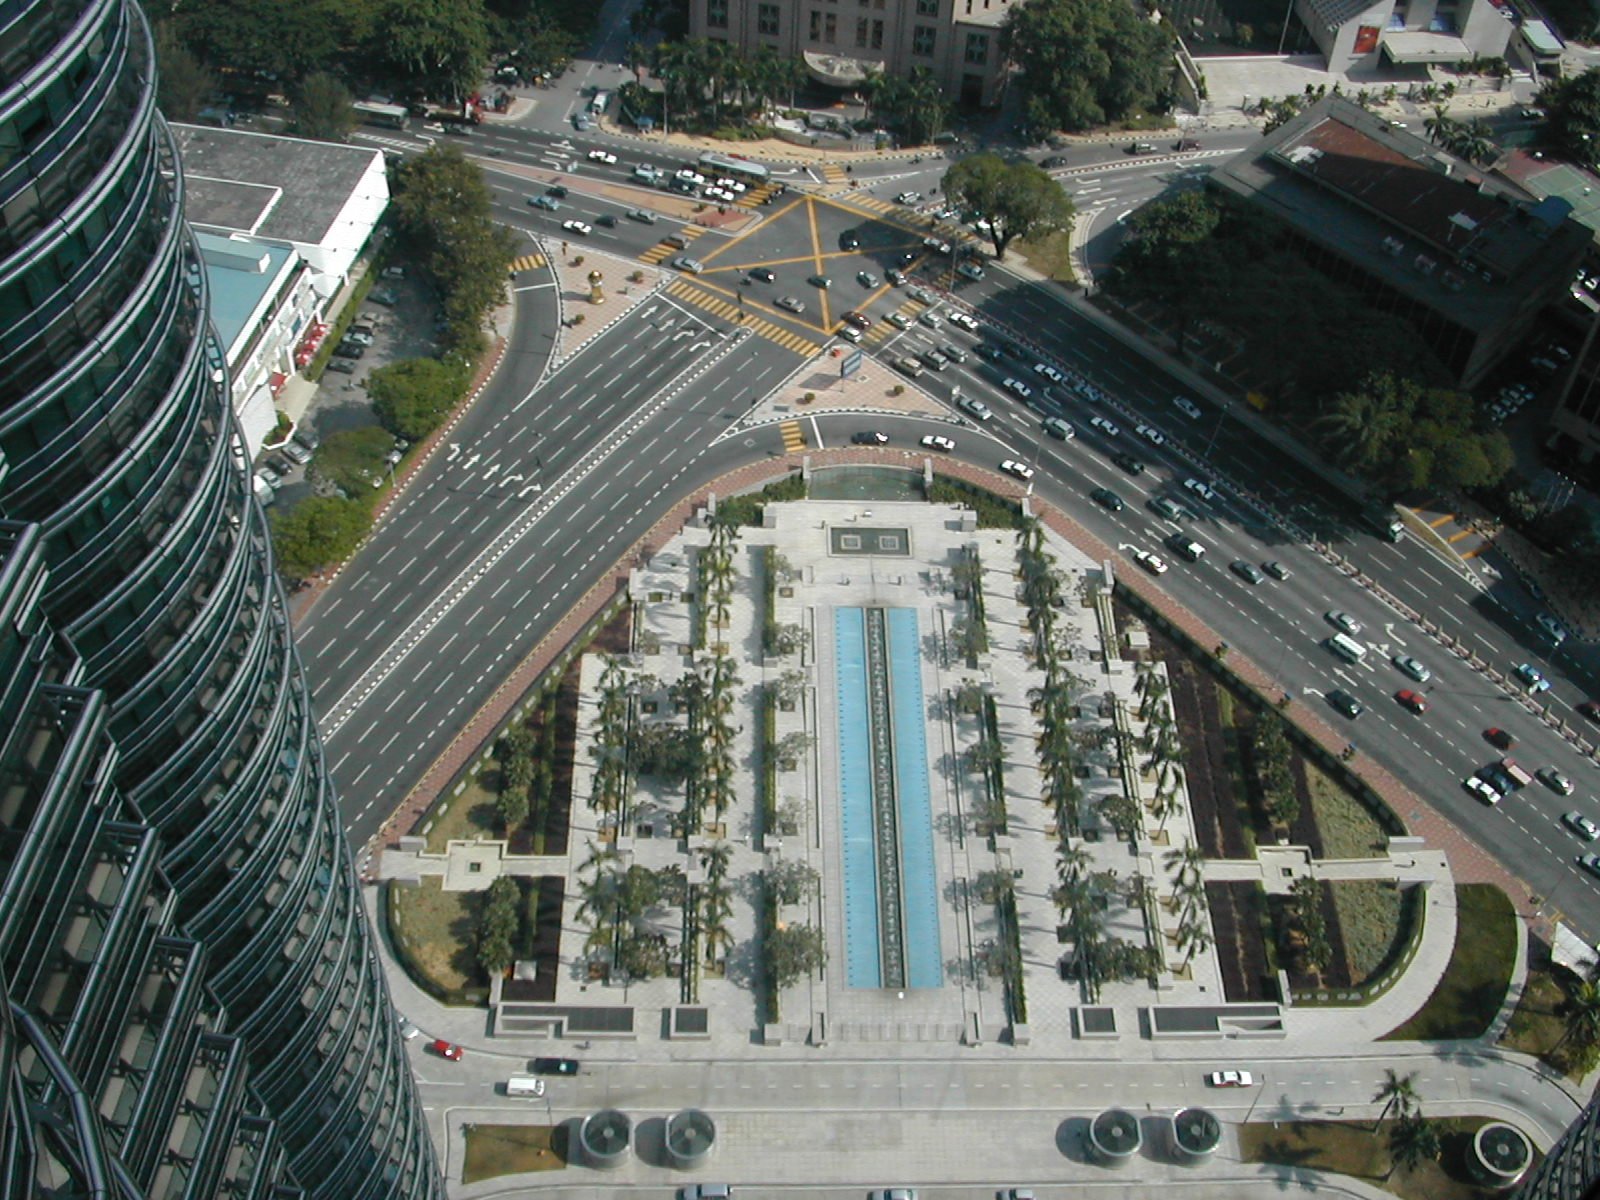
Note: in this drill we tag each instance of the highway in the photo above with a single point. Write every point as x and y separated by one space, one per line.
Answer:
539 490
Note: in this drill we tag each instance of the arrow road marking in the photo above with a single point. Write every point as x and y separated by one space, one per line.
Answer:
455 449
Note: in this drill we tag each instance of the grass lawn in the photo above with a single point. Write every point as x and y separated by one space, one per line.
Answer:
469 815
1348 828
1351 1148
1536 1026
1474 984
437 928
495 1150
1369 915
1049 256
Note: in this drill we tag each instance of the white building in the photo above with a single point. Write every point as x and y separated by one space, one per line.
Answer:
1359 35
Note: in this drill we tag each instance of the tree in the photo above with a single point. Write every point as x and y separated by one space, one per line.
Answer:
914 103
1411 1141
1017 198
791 880
1194 936
1582 1014
413 397
1122 813
793 951
316 532
437 47
1085 63
497 925
1572 116
183 84
1397 1092
322 108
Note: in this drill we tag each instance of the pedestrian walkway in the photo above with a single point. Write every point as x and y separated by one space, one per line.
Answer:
716 305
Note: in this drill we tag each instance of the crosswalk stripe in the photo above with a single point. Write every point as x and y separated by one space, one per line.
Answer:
794 437
776 334
528 262
833 173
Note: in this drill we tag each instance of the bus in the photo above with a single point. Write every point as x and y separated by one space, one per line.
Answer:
597 106
742 169
1346 648
391 116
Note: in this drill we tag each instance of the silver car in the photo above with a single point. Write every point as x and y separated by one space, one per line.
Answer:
1409 666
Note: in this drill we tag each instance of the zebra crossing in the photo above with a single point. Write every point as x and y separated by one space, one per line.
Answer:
882 331
665 249
528 262
756 196
717 306
794 437
833 173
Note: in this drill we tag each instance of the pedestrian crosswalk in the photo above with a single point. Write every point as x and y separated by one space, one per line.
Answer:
882 331
757 196
527 262
794 437
716 305
833 173
665 249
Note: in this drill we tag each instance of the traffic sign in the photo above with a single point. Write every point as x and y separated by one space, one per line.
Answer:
851 364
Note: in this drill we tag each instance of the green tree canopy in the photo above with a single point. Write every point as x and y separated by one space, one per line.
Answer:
288 39
352 459
183 84
1573 108
915 104
1017 198
438 47
322 108
792 952
413 397
318 532
1085 62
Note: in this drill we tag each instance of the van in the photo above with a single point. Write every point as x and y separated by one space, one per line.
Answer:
1346 647
524 1085
1514 774
1057 428
677 241
1185 547
597 106
706 1191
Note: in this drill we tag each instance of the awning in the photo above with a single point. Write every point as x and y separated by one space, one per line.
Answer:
1419 46
836 70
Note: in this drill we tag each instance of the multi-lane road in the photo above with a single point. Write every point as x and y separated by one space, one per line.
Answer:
539 489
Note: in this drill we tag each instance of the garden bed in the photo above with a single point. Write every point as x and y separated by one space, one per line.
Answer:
495 1150
433 933
1238 916
1468 996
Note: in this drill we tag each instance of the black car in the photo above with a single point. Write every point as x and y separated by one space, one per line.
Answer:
989 351
349 350
1346 703
1054 161
1128 463
341 366
1107 499
556 192
870 437
554 1066
764 274
606 219
849 240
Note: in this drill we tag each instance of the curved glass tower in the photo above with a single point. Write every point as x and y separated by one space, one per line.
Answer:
118 438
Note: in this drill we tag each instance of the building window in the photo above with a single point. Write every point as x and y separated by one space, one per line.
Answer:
923 40
717 14
978 48
830 28
767 20
877 35
815 34
861 33
927 8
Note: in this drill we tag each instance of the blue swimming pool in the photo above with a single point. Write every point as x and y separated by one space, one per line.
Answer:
862 961
919 880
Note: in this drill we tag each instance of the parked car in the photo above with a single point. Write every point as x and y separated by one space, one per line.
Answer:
341 366
935 441
297 454
870 437
407 1029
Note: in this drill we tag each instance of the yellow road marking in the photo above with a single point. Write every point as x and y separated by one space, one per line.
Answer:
794 438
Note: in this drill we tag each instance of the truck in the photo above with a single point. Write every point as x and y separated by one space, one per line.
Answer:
1381 519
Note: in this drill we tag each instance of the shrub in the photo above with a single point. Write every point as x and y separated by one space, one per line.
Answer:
413 398
318 532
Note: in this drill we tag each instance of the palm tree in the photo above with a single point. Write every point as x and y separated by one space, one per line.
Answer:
1071 861
1189 862
1398 1091
1582 1012
1194 937
1441 127
1165 805
1410 1142
1156 688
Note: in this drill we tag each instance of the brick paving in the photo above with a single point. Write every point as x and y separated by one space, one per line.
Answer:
1469 862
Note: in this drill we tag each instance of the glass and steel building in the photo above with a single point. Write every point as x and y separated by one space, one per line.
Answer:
119 447
1571 1171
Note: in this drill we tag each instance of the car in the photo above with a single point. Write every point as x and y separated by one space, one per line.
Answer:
731 185
1230 1079
859 319
1105 426
937 246
821 282
548 203
762 274
1590 710
1186 144
577 227
989 352
646 174
554 1066
893 1193
974 407
1107 499
790 304
1246 570
922 295
937 441
1411 668
908 197
1581 825
898 320
1499 738
357 337
385 297
297 454
1163 507
1276 569
407 1029
281 465
908 366
849 240
1590 863
953 352
1553 628
932 358
721 194
970 270
642 215
1020 469
851 334
349 350
1059 429
1185 547
1482 789
1531 678
1017 388
870 437
706 1191
930 318
684 263
1343 622
1128 463
445 1049
1187 407
1554 780
1049 372
1200 487
963 321
1015 1194
341 366
1414 701
601 156
1151 432
866 279
1342 701
895 276
1153 563
607 220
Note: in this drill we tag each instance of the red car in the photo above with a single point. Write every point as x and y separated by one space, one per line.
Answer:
1412 700
446 1049
858 319
1499 738
1591 709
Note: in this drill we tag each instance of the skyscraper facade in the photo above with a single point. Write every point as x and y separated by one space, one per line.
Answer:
1571 1171
119 448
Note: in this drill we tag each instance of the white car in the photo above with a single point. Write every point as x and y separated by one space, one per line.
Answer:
600 156
1018 388
930 318
730 185
716 193
1049 372
1343 622
791 304
1553 628
962 320
577 227
893 1193
1153 563
898 320
646 174
936 441
1581 825
1409 666
1482 789
1150 431
1201 488
1186 406
688 176
1019 469
407 1029
1109 428
1231 1079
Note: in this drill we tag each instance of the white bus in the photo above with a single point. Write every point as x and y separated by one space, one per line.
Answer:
1346 647
392 116
598 105
742 169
